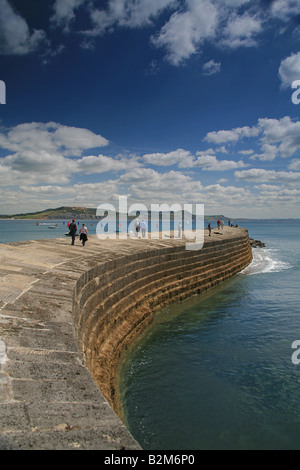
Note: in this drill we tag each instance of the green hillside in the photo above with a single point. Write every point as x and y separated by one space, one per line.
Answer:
58 213
83 213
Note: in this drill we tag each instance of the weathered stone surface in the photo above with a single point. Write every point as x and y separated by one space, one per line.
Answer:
68 314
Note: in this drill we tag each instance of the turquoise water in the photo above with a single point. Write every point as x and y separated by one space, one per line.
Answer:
215 372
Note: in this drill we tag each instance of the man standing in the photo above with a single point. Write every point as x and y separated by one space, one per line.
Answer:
73 230
143 228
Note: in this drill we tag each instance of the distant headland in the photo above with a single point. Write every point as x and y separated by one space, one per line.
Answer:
82 213
63 213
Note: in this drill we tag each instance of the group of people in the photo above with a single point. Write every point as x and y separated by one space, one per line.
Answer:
220 224
83 233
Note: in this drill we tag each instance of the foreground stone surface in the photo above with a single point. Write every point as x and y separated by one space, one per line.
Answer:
67 313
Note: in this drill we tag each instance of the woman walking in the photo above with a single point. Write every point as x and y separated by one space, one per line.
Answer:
83 234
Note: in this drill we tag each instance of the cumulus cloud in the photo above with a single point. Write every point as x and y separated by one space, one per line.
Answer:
211 67
242 31
234 135
285 9
284 132
42 152
179 156
289 70
270 152
126 13
15 36
102 164
278 137
211 163
294 165
64 11
184 159
50 136
259 175
185 31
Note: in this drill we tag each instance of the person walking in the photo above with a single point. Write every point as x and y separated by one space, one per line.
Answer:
73 230
143 228
83 234
218 223
209 229
136 227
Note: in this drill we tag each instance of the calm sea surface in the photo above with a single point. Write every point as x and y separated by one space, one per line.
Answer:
20 230
215 372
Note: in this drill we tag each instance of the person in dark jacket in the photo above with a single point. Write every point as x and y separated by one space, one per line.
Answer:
73 230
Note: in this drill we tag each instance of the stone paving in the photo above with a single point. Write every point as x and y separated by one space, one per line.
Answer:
48 398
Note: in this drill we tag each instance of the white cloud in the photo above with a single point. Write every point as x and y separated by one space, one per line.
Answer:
232 3
64 11
294 165
180 156
184 159
41 152
234 135
284 132
270 152
259 175
102 164
15 36
284 9
35 168
185 31
211 67
278 137
51 136
127 13
211 163
146 183
242 31
289 70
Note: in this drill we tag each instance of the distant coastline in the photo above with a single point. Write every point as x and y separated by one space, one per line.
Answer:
85 213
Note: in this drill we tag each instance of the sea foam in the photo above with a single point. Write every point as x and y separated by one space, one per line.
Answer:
265 260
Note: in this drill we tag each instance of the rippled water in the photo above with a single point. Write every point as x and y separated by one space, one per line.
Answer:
215 372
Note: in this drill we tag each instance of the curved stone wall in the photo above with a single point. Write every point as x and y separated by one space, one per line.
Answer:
115 301
68 313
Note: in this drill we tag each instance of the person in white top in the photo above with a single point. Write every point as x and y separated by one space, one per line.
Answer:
136 227
83 234
143 228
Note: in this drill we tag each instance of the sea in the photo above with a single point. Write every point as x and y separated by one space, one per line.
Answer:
218 371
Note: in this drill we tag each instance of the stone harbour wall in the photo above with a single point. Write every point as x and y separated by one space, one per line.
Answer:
68 314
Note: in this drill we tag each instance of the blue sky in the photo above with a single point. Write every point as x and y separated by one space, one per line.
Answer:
165 101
